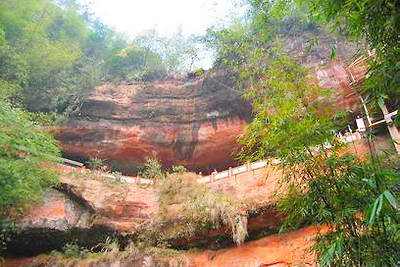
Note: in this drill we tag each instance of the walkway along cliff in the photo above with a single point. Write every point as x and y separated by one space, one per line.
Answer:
87 207
189 122
194 122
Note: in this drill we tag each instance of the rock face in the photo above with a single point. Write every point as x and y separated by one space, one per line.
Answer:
88 206
280 250
194 123
190 122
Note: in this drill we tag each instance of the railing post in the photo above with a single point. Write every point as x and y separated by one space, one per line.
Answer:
394 132
212 177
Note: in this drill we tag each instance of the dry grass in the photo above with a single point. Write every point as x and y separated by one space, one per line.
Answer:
188 208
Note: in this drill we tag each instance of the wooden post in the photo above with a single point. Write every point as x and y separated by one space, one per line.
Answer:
366 111
394 132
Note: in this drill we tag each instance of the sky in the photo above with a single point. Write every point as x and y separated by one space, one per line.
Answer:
166 16
133 17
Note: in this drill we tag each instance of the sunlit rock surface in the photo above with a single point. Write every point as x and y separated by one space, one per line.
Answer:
193 122
279 250
190 122
87 206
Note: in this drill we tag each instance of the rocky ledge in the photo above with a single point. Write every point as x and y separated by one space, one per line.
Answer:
86 207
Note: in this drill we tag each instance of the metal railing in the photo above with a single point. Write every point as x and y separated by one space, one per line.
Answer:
233 172
216 176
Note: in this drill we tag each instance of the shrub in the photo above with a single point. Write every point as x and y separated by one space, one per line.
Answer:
188 208
95 163
152 169
178 169
24 150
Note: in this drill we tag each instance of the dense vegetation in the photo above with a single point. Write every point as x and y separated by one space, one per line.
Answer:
53 52
326 185
296 121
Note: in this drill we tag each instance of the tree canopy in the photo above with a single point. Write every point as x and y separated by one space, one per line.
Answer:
295 120
55 51
52 52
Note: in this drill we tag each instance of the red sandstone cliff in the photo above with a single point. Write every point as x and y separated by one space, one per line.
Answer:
89 206
279 250
194 123
181 122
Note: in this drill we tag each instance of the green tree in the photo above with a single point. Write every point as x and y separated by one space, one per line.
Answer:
46 42
24 151
286 103
179 53
56 52
377 22
135 63
324 185
295 122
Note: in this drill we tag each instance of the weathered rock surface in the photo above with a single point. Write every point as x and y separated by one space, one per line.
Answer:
279 250
87 206
291 249
194 123
190 122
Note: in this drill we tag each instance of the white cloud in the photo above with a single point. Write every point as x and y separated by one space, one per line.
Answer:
133 17
166 16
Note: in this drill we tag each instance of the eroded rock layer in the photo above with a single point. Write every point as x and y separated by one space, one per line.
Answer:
191 122
194 123
291 249
89 206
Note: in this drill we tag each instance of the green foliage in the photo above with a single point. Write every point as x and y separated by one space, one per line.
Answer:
359 199
95 163
45 44
107 253
152 169
375 21
178 169
232 45
177 52
295 122
74 251
72 255
55 52
286 104
24 148
245 46
135 63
